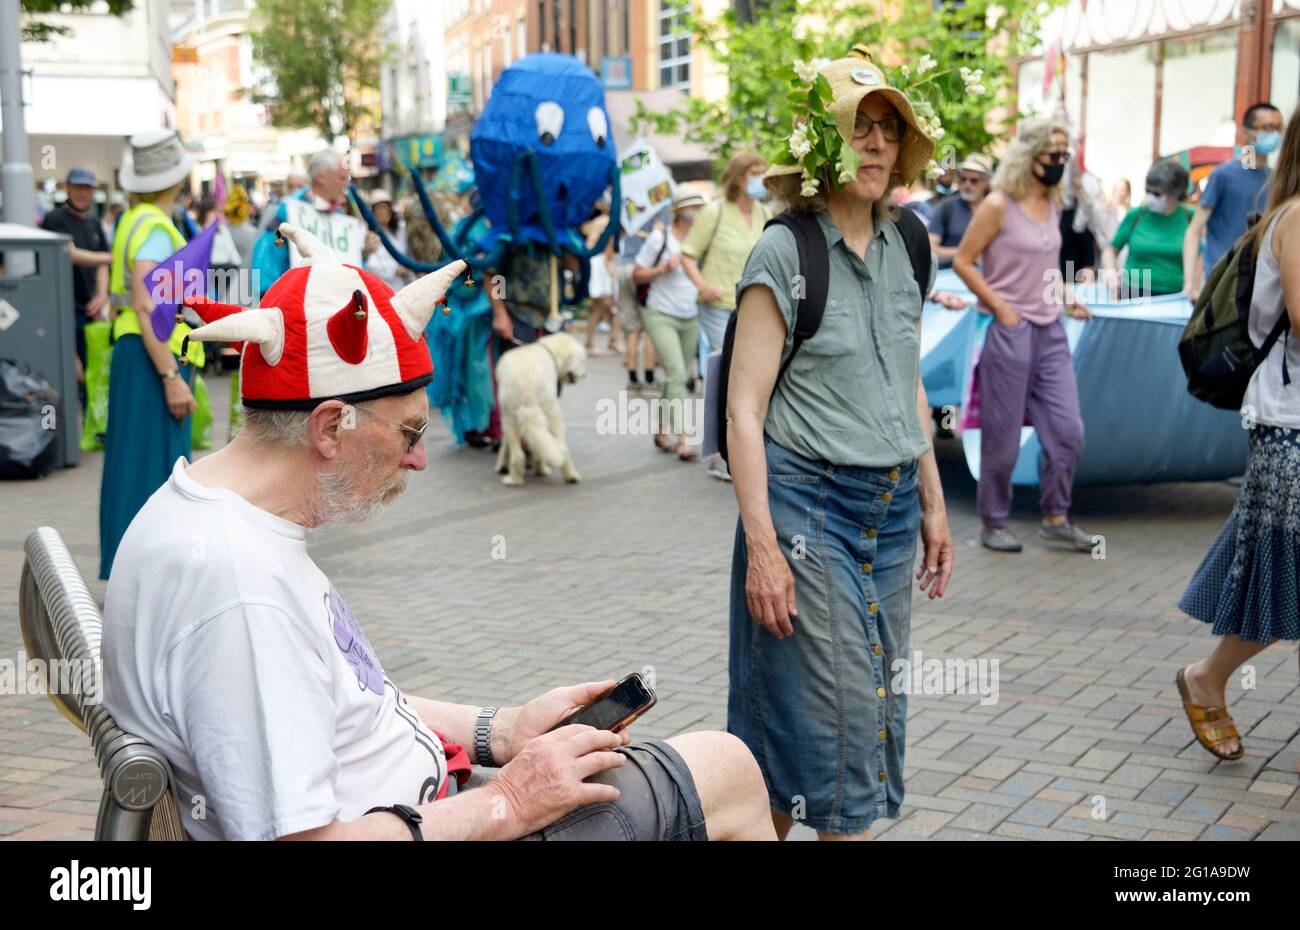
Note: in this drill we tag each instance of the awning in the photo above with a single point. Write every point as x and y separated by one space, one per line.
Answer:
688 160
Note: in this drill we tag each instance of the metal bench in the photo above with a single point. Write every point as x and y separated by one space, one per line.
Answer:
61 624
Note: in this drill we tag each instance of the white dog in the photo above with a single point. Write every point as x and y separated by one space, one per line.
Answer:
528 380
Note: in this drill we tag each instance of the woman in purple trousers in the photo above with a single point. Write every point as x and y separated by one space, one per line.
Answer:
1025 369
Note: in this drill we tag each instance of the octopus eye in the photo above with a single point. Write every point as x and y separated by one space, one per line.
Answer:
599 125
550 120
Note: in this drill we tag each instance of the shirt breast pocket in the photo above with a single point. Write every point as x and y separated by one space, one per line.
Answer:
838 334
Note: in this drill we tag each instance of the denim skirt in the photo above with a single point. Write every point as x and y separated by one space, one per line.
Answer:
1248 582
816 708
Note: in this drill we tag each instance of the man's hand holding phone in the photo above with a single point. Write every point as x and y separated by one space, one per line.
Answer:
515 727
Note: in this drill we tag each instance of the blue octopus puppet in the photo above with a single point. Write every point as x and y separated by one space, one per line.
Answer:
543 157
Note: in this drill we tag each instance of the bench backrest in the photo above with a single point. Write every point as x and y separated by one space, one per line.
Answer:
62 627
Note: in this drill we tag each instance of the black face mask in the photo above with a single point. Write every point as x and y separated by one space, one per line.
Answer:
1052 174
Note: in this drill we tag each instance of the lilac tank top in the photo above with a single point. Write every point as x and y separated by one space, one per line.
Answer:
1021 263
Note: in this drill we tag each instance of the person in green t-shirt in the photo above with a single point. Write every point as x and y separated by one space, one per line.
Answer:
1153 233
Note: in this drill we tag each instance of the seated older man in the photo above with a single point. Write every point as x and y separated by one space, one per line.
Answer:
230 651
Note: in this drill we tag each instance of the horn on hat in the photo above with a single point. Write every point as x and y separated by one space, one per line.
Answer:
264 326
415 302
312 250
210 311
348 330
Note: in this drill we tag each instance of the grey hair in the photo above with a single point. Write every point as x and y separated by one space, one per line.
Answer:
283 429
280 429
324 160
1168 176
1014 172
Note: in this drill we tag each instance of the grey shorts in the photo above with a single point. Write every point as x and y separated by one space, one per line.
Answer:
657 801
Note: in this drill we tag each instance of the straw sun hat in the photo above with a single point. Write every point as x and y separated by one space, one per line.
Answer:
851 80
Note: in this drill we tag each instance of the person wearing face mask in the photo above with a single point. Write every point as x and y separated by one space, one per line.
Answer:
1025 369
715 250
1154 233
1235 190
953 214
671 315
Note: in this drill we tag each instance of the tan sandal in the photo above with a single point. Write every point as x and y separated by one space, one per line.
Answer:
686 453
1210 724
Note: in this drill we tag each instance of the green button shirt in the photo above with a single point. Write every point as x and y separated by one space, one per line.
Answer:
849 396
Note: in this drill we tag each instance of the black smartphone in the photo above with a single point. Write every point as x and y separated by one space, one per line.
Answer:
617 708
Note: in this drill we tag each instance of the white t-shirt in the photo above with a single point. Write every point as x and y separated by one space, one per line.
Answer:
1268 401
228 649
671 293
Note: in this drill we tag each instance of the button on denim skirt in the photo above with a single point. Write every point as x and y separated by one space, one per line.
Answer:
816 708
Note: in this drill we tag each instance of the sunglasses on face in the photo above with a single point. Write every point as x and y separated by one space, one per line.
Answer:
972 179
891 127
1058 157
415 434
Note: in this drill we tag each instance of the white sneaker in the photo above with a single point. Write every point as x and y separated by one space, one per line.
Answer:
718 469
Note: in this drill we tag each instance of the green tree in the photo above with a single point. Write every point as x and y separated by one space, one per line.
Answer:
319 54
758 58
36 30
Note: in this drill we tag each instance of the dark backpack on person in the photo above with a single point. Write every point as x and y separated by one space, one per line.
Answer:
815 269
1215 347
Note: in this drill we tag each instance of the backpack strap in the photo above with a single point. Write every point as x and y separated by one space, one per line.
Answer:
815 269
917 240
704 256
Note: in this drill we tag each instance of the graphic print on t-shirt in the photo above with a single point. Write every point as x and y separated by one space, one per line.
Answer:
353 644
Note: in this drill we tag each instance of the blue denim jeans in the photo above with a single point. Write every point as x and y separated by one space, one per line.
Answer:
816 708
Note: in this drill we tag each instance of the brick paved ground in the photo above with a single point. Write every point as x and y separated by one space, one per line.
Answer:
630 569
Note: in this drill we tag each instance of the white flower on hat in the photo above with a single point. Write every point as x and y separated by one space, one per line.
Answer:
926 64
845 175
800 144
976 88
810 186
807 72
933 170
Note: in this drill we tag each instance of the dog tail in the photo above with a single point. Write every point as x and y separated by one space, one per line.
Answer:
537 436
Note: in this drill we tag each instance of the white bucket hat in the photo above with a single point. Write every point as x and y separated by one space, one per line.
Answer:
157 161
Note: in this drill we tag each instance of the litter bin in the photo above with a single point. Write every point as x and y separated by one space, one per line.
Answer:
37 328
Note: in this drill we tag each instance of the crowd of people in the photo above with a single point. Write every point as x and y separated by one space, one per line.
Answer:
829 436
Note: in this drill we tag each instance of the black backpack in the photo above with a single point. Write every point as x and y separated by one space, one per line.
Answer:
1215 348
815 268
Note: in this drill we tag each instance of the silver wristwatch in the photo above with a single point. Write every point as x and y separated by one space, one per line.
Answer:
483 737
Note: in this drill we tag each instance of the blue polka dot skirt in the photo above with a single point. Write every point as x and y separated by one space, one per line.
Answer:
1247 584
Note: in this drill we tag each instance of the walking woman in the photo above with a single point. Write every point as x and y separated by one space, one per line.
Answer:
149 396
835 477
671 315
1025 369
1247 585
714 253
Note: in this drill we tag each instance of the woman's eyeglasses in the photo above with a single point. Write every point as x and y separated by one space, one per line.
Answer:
1058 157
415 434
891 127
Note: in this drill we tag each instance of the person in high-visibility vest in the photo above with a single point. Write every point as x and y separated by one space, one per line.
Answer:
149 395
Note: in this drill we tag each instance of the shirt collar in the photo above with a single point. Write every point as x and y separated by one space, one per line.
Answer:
833 234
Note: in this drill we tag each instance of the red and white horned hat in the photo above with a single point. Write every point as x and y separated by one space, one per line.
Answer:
326 330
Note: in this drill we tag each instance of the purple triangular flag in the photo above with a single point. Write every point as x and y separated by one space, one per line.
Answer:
183 274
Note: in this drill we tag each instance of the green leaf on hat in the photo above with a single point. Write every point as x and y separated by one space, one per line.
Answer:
823 88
